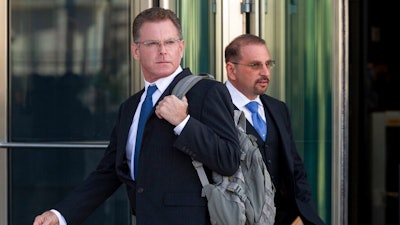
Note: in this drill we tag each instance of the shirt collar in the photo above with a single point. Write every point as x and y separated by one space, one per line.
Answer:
163 83
238 99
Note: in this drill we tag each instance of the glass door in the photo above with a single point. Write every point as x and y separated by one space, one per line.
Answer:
69 69
297 33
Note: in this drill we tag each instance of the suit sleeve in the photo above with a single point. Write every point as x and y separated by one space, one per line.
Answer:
94 190
210 135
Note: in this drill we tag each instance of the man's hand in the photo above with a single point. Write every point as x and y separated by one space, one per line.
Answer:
46 218
172 109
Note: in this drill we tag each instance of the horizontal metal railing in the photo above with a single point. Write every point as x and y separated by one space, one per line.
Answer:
53 144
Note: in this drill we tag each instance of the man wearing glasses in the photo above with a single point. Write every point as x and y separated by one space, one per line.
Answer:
248 66
162 185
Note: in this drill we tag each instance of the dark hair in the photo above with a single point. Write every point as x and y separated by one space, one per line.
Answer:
232 51
154 14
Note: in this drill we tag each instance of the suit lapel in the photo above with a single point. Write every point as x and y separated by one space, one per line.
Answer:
278 114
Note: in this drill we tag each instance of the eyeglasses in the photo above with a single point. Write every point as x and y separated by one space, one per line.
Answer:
153 44
257 66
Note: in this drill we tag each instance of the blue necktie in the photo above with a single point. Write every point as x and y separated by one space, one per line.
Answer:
147 106
258 122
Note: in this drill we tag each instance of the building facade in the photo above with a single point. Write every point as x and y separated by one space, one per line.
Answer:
65 67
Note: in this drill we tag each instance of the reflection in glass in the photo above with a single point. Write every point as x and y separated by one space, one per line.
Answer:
41 178
69 72
198 22
69 67
308 90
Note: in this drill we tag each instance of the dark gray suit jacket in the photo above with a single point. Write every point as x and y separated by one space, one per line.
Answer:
292 171
167 190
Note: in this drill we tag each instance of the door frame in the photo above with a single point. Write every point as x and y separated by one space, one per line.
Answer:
3 110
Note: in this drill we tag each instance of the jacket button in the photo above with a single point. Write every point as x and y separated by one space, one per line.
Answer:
140 190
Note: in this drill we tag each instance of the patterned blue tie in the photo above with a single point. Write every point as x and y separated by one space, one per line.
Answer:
147 106
258 122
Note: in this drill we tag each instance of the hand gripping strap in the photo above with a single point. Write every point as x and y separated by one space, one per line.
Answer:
179 91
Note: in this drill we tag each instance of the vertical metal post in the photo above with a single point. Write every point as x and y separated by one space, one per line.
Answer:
3 111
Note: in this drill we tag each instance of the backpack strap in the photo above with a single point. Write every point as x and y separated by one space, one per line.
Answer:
200 171
180 90
188 82
240 120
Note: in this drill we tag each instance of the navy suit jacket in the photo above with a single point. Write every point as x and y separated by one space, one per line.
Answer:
167 189
294 174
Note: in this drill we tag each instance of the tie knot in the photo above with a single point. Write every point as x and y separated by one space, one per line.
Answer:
252 106
151 89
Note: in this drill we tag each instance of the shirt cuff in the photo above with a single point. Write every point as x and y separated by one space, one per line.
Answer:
178 129
61 219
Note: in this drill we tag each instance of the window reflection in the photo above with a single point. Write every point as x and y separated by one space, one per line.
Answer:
69 67
198 21
69 72
37 184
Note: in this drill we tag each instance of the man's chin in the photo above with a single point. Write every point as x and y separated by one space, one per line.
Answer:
262 88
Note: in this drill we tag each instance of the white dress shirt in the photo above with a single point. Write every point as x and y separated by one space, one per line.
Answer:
240 101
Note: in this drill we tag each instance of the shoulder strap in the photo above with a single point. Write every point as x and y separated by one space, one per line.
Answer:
240 120
184 85
200 171
180 89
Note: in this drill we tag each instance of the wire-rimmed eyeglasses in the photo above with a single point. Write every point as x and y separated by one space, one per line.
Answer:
257 66
154 44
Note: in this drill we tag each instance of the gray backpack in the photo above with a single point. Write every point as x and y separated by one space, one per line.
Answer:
247 197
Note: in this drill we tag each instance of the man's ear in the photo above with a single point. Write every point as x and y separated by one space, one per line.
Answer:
135 51
230 70
182 47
